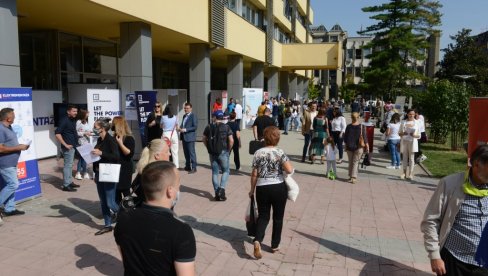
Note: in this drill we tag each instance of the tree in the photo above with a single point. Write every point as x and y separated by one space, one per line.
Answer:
313 91
465 57
400 39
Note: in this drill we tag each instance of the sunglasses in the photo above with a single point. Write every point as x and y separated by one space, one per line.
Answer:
157 106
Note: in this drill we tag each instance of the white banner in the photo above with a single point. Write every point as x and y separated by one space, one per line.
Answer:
252 100
44 138
103 103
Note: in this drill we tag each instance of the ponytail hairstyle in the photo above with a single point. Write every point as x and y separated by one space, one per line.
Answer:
148 153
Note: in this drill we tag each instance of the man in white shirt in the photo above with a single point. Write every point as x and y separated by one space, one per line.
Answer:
238 111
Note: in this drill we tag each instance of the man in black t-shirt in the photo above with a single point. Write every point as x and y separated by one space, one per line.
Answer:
67 136
261 123
151 238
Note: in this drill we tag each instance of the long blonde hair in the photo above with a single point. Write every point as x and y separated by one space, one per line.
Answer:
121 127
149 152
355 117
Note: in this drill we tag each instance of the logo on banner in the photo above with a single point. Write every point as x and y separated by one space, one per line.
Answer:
96 97
21 170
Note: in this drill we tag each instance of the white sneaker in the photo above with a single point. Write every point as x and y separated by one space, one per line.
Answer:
78 176
1 221
390 167
86 176
397 167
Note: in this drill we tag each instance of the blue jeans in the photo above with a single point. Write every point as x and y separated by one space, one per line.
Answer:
190 155
296 123
307 138
81 167
287 124
68 156
220 162
7 195
395 155
106 193
339 141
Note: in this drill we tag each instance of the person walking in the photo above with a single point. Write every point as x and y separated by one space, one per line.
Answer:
126 144
288 113
261 123
330 157
108 151
169 124
188 137
236 135
10 151
320 133
218 139
393 140
67 136
338 127
84 131
409 133
238 110
307 127
153 123
353 135
267 181
454 220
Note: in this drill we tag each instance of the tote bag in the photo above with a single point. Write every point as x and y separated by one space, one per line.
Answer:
108 172
293 188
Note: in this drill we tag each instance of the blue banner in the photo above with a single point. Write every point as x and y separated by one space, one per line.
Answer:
145 101
20 99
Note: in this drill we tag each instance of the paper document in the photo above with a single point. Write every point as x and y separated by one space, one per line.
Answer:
85 152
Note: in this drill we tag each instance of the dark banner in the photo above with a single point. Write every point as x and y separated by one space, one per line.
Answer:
145 101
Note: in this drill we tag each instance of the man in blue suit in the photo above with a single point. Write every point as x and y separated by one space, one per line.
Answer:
188 137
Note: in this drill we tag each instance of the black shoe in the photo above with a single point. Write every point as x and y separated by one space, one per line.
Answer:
187 169
73 185
69 189
222 195
13 213
113 217
217 195
104 230
192 171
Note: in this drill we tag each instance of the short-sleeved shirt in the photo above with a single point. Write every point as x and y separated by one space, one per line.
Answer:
151 239
261 123
224 132
67 129
9 139
394 130
269 163
234 126
168 124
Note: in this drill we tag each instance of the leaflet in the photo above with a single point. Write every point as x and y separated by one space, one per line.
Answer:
86 152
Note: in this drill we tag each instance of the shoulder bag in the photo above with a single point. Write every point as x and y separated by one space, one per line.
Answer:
108 172
168 140
293 188
361 139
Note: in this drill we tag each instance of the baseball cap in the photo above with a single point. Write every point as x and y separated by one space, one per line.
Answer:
219 114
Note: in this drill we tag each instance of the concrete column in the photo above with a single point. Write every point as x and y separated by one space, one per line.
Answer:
293 87
300 86
200 84
284 83
235 76
273 81
9 45
257 75
135 67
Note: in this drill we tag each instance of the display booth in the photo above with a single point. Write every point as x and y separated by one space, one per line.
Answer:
43 118
250 103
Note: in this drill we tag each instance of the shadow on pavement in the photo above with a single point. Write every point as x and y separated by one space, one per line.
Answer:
104 263
386 266
55 181
197 192
89 206
235 237
74 215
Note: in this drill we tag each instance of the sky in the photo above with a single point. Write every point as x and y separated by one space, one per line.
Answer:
457 14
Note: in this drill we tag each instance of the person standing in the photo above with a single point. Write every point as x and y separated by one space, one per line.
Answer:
217 138
126 143
67 135
188 137
262 108
261 123
153 123
108 151
169 124
419 157
231 106
151 239
10 150
321 132
239 112
338 126
352 136
267 181
217 105
454 220
330 157
391 133
236 135
409 133
84 131
307 127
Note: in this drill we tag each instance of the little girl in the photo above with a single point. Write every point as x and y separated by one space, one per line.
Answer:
330 157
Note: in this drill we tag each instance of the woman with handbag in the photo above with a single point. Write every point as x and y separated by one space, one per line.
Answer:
108 151
355 141
409 131
126 145
267 180
169 125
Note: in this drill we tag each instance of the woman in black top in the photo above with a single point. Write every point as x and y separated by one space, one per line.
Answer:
108 151
126 144
153 123
354 151
236 132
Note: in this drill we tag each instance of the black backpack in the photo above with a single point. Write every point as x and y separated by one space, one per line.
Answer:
215 145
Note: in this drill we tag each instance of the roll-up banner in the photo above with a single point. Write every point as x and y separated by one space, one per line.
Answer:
145 101
252 100
20 99
103 103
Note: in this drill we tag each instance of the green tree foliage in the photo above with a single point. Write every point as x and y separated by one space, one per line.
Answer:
445 104
465 57
313 91
400 38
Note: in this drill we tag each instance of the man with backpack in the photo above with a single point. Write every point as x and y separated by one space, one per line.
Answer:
217 137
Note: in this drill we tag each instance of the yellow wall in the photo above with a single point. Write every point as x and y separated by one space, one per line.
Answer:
277 53
300 32
310 17
300 72
244 38
307 56
278 9
302 5
189 17
259 3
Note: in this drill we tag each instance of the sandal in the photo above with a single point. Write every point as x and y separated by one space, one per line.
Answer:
257 250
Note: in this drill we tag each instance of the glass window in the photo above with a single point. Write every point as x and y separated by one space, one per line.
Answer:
357 72
366 52
359 53
350 53
99 57
70 52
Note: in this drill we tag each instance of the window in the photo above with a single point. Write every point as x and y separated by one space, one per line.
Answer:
70 52
349 71
357 72
252 14
99 57
333 38
359 54
350 54
280 35
288 9
316 73
366 52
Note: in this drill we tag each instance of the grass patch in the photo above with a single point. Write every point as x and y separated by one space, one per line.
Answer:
442 161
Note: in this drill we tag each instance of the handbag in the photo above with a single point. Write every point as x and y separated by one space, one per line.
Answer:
293 188
168 140
251 218
108 172
361 139
254 145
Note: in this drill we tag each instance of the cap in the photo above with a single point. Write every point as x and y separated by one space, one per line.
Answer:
219 114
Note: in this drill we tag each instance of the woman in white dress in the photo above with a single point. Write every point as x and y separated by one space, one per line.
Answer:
409 131
169 125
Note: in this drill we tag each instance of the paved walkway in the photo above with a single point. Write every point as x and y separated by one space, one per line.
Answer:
334 228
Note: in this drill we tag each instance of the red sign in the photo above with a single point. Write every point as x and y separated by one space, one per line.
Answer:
478 123
21 170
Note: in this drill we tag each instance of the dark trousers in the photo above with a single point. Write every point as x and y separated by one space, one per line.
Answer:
268 196
339 142
235 149
190 155
455 267
306 144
